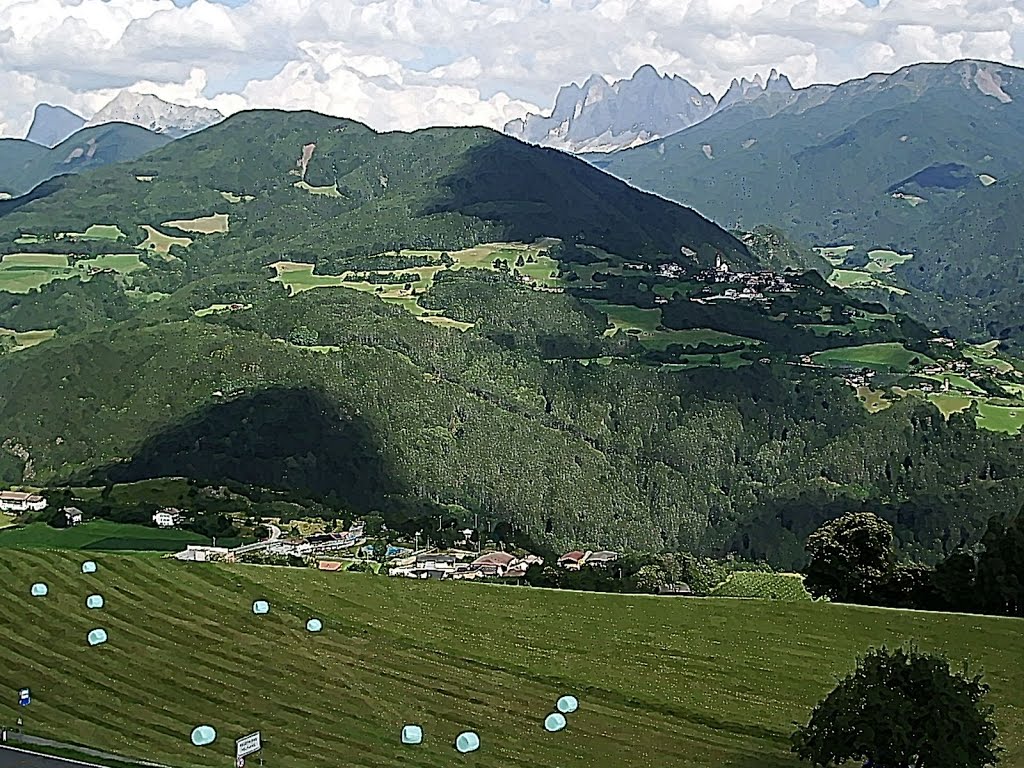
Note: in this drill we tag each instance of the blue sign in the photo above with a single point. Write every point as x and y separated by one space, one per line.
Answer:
24 697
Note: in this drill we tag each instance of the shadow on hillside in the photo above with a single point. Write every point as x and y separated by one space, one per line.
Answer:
43 189
284 439
535 191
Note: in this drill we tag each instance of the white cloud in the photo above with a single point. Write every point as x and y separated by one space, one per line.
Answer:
409 63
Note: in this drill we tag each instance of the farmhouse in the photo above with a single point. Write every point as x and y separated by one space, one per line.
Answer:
574 560
73 516
14 502
602 558
168 517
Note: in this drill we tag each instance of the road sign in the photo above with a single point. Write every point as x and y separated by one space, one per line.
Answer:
24 697
247 745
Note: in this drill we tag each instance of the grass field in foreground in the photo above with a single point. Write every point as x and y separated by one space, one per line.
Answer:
100 535
704 682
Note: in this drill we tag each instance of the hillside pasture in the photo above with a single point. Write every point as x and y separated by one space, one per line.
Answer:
24 272
693 337
888 356
99 535
161 242
874 400
887 260
204 225
26 339
706 683
948 404
331 191
835 254
1000 418
232 197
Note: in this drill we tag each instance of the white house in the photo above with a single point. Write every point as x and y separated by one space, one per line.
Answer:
167 517
73 516
14 502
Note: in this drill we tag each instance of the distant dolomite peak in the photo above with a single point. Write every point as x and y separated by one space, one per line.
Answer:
155 114
602 117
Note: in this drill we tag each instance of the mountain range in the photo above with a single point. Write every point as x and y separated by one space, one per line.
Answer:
602 117
60 141
25 164
451 321
924 161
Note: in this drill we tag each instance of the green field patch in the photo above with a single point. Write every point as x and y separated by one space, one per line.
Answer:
763 586
161 242
231 197
109 232
204 225
26 339
1000 418
835 254
298 277
24 272
874 400
99 535
887 260
331 191
704 683
693 337
28 239
984 355
624 317
445 322
14 260
891 356
848 279
214 309
948 404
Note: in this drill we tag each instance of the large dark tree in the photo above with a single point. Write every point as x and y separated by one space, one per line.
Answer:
851 557
1000 571
902 709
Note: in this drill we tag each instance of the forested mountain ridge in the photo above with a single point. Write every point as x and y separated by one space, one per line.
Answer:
922 161
453 319
24 164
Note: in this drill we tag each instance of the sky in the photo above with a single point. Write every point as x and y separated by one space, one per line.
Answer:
405 64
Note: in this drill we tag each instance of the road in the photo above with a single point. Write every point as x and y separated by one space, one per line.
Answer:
14 758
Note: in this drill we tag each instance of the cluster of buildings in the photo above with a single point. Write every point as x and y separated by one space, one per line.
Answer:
457 565
573 561
461 565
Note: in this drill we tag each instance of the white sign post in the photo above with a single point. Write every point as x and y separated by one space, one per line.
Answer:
247 745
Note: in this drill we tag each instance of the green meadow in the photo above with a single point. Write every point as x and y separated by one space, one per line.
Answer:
701 682
885 356
24 272
99 535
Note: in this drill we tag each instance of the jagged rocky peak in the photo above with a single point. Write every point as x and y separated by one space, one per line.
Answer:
601 117
743 89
